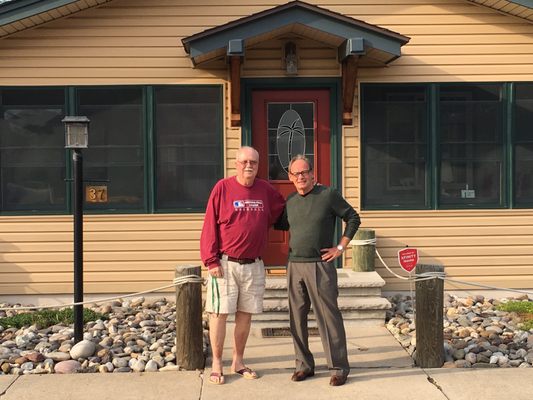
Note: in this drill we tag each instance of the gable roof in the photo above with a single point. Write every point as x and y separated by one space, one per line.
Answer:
379 46
19 15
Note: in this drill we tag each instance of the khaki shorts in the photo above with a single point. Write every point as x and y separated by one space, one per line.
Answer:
242 288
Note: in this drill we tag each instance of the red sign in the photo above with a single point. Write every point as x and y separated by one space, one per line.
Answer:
408 258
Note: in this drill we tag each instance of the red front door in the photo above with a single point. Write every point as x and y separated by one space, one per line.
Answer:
286 123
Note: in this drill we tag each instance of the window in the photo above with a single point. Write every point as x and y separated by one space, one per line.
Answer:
291 131
115 156
188 142
32 154
395 135
446 145
471 144
155 148
523 145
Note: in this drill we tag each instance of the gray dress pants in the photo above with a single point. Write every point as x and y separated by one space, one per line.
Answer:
316 283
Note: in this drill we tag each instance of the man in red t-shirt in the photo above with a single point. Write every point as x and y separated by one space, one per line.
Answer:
239 212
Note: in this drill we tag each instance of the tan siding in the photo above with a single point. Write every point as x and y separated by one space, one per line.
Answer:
135 251
314 59
136 41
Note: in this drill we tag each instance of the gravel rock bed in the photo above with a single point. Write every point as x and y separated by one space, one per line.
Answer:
139 335
476 334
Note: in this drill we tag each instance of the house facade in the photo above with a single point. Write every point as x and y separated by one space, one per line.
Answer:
419 112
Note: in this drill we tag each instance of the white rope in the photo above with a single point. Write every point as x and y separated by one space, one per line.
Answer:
485 286
417 277
364 242
176 282
390 270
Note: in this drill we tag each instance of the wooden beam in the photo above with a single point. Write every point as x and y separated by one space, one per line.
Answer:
349 77
235 76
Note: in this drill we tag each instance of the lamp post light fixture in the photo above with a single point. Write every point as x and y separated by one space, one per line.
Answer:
76 132
77 138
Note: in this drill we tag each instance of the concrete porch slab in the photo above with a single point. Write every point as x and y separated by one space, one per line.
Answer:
368 347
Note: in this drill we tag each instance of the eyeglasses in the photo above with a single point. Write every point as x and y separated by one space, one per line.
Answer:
253 163
305 172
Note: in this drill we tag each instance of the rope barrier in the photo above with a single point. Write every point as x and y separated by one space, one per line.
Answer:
176 282
431 275
487 286
373 241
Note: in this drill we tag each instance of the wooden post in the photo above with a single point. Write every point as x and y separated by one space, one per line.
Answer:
429 314
363 256
189 332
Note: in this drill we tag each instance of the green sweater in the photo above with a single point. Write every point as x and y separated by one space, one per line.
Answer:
311 221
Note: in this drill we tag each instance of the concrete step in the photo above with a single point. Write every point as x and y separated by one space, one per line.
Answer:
359 300
346 279
343 292
364 321
345 304
271 319
350 283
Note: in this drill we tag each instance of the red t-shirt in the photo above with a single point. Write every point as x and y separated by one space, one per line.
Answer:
237 220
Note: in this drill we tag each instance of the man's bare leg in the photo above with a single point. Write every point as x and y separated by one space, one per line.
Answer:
217 334
243 322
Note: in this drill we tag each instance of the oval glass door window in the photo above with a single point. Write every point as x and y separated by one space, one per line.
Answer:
291 132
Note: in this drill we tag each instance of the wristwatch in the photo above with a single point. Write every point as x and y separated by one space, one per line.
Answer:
340 247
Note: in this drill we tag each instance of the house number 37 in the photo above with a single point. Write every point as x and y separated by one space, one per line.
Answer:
96 194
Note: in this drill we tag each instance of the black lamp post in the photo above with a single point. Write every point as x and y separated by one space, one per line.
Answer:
77 138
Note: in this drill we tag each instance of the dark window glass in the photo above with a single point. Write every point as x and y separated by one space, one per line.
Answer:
189 145
395 145
471 148
115 156
32 155
523 144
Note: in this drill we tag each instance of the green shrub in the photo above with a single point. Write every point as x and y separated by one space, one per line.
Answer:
527 325
46 318
525 307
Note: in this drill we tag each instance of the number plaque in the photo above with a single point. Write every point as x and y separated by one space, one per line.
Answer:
96 194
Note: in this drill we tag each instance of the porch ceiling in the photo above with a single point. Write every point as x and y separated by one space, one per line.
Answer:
380 46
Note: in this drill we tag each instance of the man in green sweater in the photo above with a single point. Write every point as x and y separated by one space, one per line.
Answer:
310 216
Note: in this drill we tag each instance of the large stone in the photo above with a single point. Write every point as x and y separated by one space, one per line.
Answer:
58 356
83 349
35 357
67 367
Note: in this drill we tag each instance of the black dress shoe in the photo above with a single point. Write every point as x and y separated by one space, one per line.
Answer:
338 380
301 375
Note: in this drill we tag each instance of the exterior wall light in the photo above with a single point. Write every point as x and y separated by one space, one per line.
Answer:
291 59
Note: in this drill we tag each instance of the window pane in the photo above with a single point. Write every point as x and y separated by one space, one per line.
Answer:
395 141
116 145
291 131
189 145
32 151
471 147
523 145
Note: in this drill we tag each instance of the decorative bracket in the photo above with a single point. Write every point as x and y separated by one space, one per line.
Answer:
235 76
349 53
235 54
349 77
